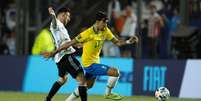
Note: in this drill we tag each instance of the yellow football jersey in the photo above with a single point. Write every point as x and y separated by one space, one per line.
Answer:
92 44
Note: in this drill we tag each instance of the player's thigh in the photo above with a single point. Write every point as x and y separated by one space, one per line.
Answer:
62 72
96 70
73 67
101 70
61 66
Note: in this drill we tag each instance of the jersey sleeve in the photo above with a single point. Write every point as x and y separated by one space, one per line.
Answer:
54 28
110 36
83 36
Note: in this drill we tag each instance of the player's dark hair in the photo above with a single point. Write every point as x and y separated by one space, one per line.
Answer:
64 9
100 15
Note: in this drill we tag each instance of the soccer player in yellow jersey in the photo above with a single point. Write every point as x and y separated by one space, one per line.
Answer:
93 39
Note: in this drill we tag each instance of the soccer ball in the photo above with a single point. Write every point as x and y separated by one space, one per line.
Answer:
162 94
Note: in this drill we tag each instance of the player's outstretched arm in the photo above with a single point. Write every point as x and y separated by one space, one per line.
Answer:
131 40
62 47
65 46
53 16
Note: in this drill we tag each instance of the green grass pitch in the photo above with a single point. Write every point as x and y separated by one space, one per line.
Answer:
18 96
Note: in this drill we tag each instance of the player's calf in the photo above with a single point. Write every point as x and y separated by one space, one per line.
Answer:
82 88
114 77
55 87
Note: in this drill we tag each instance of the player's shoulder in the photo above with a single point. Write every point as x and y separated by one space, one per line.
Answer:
108 30
88 30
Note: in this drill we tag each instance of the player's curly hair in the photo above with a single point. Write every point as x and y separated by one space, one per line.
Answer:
100 15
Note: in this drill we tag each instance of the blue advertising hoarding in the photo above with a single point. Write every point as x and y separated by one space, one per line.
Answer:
41 74
12 72
35 74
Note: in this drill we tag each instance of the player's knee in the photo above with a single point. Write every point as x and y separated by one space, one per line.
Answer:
62 80
90 85
81 80
116 72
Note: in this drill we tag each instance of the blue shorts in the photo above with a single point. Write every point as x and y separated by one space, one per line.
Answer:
95 70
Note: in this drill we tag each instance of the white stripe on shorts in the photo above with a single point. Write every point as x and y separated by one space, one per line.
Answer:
70 59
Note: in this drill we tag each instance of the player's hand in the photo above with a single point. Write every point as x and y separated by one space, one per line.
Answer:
47 54
131 40
51 11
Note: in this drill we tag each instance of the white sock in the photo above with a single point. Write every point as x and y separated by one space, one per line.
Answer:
73 95
111 83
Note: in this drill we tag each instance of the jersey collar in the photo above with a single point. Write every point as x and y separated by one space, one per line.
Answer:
94 29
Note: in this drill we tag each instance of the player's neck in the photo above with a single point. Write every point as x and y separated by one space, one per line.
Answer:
95 29
60 19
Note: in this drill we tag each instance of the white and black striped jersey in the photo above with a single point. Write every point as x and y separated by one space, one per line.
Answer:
60 35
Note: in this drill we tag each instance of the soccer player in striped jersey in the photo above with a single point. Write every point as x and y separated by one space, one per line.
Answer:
65 61
92 40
